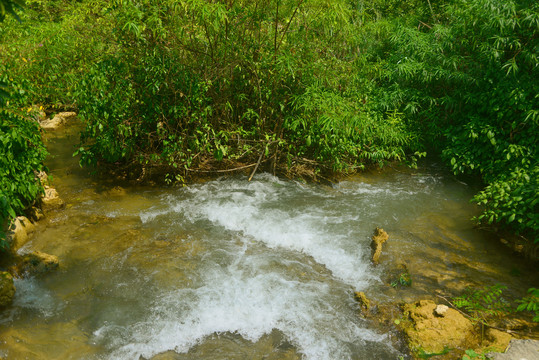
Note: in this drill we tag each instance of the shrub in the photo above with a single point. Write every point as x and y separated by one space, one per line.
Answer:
21 155
231 82
468 81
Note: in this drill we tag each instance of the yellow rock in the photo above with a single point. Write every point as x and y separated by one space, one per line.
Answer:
51 200
434 333
379 237
36 263
497 339
58 120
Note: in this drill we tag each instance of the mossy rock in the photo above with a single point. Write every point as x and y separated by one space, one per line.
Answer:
378 239
362 300
433 333
36 263
7 289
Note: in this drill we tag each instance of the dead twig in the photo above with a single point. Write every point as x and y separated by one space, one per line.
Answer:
222 171
427 25
257 164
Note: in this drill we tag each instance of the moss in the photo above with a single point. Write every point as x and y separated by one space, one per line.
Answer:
362 299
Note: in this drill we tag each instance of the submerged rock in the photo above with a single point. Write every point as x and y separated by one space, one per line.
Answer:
58 120
432 333
51 200
385 317
378 239
48 340
36 263
116 191
7 289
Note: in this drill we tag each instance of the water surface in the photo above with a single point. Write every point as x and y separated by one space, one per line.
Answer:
232 269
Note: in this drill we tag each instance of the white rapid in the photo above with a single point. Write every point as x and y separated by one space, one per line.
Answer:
277 256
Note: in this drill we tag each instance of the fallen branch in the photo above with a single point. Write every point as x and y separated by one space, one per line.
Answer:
257 164
222 171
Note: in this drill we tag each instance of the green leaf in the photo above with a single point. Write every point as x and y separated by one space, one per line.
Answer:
11 212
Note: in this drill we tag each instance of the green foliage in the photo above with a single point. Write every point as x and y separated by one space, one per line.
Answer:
424 355
404 279
471 354
483 304
125 119
21 150
9 7
21 155
467 78
530 303
52 46
191 80
512 199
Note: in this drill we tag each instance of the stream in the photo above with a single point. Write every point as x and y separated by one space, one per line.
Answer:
231 269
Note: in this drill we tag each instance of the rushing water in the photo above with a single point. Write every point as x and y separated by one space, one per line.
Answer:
231 269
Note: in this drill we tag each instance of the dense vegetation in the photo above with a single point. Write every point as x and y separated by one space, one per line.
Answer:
470 78
189 86
21 149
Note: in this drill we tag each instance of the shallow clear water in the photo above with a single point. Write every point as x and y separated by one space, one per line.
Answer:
231 269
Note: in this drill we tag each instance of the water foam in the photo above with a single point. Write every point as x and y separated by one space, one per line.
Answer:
279 255
262 211
31 294
237 299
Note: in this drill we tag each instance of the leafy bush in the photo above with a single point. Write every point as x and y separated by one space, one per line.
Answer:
9 7
132 114
21 150
231 82
530 303
483 304
21 155
52 47
468 81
